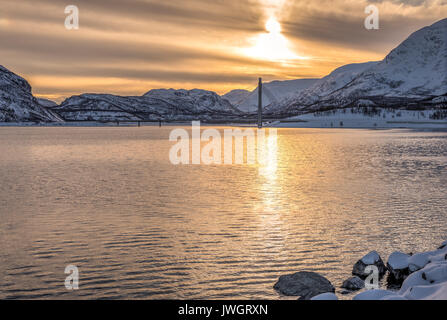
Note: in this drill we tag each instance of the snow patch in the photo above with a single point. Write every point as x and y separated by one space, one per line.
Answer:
398 260
371 258
428 283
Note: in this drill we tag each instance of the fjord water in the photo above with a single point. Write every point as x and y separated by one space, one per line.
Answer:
109 201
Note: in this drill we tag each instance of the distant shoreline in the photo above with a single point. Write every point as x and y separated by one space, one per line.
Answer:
441 125
347 118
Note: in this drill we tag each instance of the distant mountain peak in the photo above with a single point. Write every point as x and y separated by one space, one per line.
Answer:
273 92
414 73
156 104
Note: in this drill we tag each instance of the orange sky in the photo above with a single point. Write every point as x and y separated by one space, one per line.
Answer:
129 47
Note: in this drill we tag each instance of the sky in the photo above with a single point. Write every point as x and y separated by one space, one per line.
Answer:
130 47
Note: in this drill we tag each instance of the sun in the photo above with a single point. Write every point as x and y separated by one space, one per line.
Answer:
273 26
271 45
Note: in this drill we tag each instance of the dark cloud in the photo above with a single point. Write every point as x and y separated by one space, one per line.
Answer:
349 31
102 14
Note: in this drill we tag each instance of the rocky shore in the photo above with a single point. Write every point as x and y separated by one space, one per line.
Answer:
420 276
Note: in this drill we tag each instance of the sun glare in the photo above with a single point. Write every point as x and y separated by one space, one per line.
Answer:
272 45
273 26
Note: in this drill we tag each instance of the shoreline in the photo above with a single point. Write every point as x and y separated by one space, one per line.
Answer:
438 126
419 276
348 118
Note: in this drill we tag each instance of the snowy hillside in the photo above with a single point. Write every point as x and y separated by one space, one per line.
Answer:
272 93
46 103
236 97
334 81
413 74
160 104
367 117
17 104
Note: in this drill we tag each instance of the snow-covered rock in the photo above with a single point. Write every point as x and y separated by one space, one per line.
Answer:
434 273
377 294
325 296
424 292
371 259
305 285
160 104
398 265
420 260
17 103
353 284
394 297
428 283
401 265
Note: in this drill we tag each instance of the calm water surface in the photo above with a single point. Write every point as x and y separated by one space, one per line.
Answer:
109 201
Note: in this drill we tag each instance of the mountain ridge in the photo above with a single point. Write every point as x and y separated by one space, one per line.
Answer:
272 92
157 104
414 73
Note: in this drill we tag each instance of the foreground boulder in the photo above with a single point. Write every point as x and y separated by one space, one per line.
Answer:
371 259
305 285
398 265
353 284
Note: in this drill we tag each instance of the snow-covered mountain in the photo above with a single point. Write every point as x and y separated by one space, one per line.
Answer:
17 103
412 75
272 93
237 96
160 104
46 103
415 73
322 87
